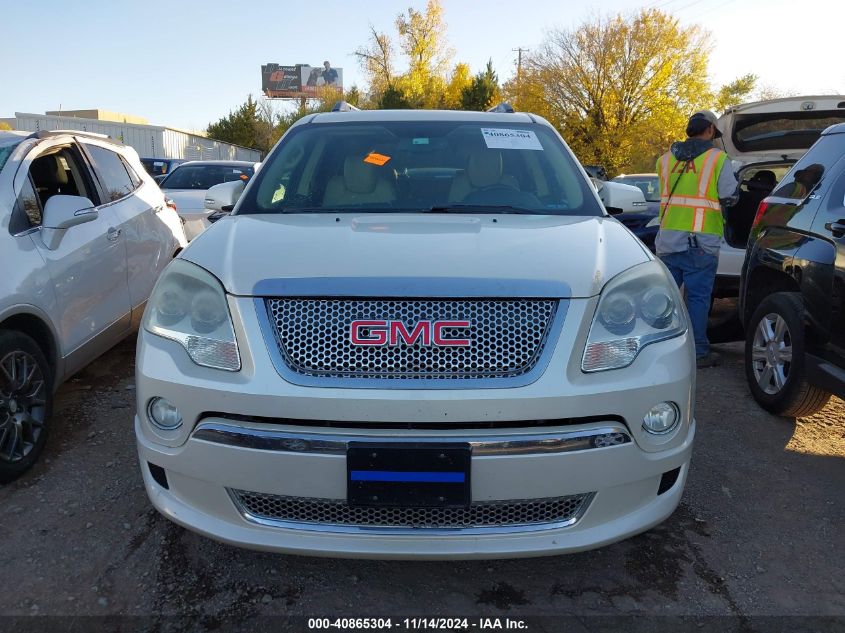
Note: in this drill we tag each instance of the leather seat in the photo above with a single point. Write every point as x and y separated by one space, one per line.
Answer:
361 183
50 177
484 169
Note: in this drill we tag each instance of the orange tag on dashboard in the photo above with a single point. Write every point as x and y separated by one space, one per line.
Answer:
376 159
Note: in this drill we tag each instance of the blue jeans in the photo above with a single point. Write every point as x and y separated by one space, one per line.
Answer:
696 270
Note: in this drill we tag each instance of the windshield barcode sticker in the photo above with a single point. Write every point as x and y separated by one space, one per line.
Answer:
498 138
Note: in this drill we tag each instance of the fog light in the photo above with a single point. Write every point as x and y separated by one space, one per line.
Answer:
163 414
662 418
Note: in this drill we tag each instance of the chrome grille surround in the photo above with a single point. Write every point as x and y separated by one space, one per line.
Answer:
307 513
508 337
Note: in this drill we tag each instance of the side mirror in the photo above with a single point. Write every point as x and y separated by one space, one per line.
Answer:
223 197
618 198
63 212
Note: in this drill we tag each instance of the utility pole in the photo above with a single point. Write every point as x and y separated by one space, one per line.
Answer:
519 52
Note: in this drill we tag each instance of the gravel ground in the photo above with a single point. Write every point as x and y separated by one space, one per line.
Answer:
759 533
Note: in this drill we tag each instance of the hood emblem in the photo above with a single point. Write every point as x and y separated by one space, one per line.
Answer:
378 333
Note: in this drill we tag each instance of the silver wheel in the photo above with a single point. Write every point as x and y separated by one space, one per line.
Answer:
23 405
771 353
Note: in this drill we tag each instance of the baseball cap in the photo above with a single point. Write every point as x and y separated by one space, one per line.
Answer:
709 117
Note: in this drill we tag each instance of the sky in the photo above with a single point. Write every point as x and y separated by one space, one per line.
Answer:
186 63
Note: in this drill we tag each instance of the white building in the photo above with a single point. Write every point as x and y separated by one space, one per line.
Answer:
150 141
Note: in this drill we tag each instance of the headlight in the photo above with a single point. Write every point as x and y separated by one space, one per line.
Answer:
636 308
188 305
655 221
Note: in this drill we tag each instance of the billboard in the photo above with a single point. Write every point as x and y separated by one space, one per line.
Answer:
300 80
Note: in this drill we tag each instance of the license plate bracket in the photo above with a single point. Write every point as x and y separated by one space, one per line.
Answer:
424 474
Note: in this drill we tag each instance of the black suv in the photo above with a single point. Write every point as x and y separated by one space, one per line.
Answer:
792 297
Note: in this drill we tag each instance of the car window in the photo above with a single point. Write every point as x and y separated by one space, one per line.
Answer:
154 167
133 176
419 165
60 170
791 130
27 213
111 172
810 170
6 151
204 176
649 185
836 199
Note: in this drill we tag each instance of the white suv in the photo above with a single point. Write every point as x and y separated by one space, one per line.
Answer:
84 234
418 335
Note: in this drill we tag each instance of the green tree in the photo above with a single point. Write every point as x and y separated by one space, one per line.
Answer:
394 99
353 96
243 126
483 91
735 92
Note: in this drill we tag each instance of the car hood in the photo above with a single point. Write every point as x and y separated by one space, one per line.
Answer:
187 199
778 129
247 251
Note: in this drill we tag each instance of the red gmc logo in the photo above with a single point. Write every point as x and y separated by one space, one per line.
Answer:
377 333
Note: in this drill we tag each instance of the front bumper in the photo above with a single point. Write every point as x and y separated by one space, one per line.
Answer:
626 502
622 481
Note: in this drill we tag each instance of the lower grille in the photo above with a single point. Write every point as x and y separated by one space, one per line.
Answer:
492 514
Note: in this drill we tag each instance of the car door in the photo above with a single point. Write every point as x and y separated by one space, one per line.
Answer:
88 265
830 224
147 239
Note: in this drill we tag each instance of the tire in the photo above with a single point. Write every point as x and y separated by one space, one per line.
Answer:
26 401
776 372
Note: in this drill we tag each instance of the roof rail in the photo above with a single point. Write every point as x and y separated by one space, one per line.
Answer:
48 133
502 107
342 106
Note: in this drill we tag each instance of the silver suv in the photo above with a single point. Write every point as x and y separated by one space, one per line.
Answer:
84 233
418 335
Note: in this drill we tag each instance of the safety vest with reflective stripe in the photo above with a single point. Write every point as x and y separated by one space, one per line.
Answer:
694 204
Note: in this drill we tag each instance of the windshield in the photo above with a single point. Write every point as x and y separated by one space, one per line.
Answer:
204 176
649 185
6 150
416 166
155 166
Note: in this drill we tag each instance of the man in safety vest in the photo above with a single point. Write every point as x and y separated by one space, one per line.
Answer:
695 180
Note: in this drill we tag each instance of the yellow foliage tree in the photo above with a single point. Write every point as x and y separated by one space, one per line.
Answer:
460 80
619 88
377 59
422 38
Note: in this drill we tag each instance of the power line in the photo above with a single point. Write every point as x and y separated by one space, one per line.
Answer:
687 6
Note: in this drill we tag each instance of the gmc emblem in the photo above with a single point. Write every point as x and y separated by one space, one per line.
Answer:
378 333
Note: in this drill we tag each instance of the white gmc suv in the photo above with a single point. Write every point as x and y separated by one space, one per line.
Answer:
418 335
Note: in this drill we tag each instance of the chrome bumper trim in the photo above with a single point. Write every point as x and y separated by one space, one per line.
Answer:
303 526
306 442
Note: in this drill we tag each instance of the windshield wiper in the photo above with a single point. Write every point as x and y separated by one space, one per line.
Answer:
480 208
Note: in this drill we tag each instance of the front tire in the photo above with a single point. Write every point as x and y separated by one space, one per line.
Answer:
775 358
26 400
